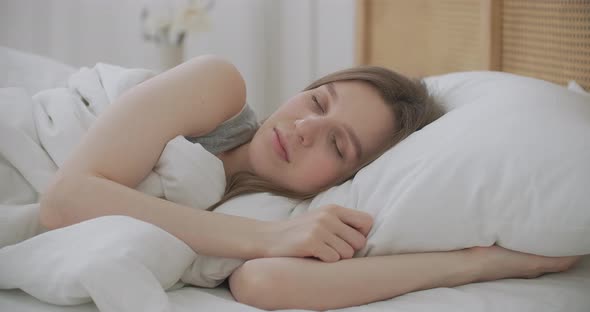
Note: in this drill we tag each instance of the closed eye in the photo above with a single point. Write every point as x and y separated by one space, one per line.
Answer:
336 148
317 104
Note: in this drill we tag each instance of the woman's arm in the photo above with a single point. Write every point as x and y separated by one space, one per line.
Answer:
126 141
294 283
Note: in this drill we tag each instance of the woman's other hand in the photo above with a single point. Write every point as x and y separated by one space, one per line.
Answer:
329 233
498 263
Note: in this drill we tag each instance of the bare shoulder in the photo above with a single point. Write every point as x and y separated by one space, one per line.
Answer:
203 92
225 79
126 140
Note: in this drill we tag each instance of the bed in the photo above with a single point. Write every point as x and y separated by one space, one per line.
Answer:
478 27
560 292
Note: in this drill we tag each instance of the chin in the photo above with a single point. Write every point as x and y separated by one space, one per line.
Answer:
299 190
279 181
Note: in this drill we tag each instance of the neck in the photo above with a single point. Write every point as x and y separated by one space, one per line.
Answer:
235 160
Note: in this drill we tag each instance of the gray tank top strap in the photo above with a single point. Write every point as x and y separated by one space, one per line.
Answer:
232 133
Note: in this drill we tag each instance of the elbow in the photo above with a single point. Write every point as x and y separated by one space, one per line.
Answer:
53 204
256 283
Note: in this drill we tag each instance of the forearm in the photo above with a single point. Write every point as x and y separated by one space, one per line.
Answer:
205 232
311 284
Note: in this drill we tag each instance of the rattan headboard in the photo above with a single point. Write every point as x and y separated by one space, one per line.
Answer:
546 39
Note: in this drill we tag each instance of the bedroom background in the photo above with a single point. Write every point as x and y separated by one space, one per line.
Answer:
278 45
512 156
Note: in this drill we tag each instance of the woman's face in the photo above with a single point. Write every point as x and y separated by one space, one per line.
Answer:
322 136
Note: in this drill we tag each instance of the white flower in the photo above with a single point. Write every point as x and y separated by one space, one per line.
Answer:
171 20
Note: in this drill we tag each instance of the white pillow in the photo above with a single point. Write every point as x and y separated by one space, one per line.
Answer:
574 86
509 164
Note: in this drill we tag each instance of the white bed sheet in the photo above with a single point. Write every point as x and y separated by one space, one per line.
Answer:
569 291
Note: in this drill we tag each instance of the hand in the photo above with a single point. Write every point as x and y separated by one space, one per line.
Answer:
501 263
329 233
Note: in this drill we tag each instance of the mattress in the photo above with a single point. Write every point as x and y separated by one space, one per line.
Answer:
568 291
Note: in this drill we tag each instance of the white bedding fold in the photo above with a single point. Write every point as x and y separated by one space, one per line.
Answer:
105 258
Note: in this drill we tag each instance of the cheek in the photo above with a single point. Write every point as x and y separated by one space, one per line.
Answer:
260 158
317 173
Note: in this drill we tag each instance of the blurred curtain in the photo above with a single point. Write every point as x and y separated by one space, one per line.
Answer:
278 45
77 32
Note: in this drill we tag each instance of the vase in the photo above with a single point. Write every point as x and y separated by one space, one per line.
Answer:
170 55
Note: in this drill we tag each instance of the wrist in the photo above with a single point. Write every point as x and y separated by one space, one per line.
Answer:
475 260
496 263
257 245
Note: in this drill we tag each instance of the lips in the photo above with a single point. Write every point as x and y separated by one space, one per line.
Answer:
279 145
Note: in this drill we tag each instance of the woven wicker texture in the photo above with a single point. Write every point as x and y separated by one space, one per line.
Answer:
547 39
424 37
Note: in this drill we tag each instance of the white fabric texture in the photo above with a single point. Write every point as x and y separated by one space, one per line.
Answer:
104 257
98 259
566 291
574 86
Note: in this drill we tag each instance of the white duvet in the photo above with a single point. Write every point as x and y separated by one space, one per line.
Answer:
116 261
124 264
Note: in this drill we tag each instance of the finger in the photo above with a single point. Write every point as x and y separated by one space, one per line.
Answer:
344 249
351 236
326 253
359 220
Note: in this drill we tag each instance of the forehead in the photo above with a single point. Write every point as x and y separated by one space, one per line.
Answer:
359 106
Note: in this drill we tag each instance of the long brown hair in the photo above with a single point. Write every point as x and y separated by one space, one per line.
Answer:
409 99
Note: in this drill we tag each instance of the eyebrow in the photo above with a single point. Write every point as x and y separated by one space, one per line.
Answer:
332 90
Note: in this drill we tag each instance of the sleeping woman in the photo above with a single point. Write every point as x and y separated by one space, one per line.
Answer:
319 138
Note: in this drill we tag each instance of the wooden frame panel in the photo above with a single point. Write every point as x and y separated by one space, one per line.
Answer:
547 39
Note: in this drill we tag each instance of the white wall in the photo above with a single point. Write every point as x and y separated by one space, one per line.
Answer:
317 37
79 33
280 46
238 32
335 35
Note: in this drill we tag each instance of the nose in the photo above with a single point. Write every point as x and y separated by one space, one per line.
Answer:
307 129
